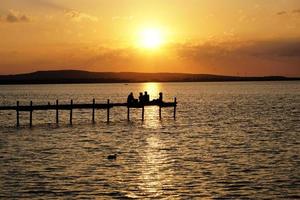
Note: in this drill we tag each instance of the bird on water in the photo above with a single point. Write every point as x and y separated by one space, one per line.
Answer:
112 157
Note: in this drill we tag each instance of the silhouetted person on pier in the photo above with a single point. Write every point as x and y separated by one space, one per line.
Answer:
141 98
130 99
160 99
146 97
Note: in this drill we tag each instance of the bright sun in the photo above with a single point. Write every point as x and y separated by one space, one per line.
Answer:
151 38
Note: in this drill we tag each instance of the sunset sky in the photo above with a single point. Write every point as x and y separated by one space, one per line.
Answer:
230 37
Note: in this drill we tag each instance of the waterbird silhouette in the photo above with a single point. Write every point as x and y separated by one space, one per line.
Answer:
112 157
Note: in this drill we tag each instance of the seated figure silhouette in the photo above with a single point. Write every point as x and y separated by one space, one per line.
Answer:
160 99
146 97
130 99
141 98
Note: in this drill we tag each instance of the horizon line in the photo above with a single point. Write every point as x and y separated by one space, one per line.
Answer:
183 73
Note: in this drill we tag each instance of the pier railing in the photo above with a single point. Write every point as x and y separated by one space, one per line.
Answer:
93 106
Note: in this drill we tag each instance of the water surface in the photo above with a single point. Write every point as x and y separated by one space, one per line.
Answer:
230 140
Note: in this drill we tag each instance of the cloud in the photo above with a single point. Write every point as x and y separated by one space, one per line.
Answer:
79 16
268 57
275 48
265 49
265 57
282 13
296 11
14 16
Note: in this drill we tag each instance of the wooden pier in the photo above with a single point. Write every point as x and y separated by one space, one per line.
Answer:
93 106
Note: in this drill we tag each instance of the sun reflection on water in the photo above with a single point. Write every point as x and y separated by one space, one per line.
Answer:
156 173
152 113
153 89
155 162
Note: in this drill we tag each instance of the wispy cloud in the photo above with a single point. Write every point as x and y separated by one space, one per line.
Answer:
296 11
14 16
232 58
282 13
79 16
265 49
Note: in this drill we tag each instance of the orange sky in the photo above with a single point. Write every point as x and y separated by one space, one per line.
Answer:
231 37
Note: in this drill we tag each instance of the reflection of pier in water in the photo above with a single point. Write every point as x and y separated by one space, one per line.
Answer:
93 106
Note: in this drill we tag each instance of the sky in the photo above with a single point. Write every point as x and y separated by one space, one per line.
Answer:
228 37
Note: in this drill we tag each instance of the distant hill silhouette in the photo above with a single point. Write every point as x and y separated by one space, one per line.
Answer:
77 76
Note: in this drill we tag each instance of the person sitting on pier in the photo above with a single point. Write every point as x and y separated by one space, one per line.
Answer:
160 99
130 99
141 98
146 97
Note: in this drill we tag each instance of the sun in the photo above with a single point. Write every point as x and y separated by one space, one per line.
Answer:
151 38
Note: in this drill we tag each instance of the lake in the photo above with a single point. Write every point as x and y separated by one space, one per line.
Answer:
235 140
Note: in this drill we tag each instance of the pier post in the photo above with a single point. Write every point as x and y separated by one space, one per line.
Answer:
18 118
30 114
57 120
143 112
71 112
93 117
160 111
107 111
175 105
128 113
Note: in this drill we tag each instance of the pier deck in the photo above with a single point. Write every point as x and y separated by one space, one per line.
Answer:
82 106
93 106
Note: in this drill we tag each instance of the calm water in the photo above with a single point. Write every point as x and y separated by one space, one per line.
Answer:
230 140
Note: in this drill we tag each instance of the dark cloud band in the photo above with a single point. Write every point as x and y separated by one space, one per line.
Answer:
15 17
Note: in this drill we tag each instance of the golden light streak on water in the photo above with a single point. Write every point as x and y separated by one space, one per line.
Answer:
153 89
151 113
154 161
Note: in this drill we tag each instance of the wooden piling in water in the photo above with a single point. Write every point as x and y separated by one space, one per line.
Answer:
143 112
107 111
18 118
93 114
57 117
71 112
30 114
175 105
128 113
159 111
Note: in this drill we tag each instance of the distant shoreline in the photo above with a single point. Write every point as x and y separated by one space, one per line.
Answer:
85 77
65 83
